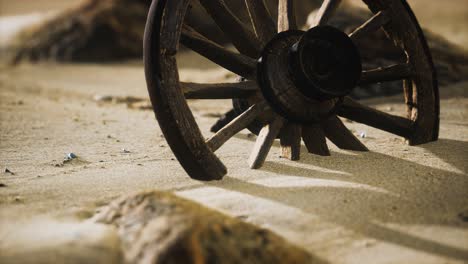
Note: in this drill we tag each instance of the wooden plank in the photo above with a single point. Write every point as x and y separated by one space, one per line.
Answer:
235 126
315 140
264 142
240 35
337 132
237 63
386 74
325 12
263 24
373 24
219 90
360 113
286 15
290 141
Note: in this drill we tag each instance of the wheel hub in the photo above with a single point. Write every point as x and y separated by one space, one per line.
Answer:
304 75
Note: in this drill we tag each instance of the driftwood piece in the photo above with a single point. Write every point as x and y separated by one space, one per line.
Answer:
157 227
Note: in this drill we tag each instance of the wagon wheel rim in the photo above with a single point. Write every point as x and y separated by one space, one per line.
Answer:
166 28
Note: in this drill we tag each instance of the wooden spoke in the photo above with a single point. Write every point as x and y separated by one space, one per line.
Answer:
240 35
237 63
386 74
286 15
218 91
337 132
235 126
291 141
355 111
315 140
409 93
264 142
262 22
326 11
373 24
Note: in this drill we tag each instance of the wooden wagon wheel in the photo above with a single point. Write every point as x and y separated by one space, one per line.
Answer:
295 82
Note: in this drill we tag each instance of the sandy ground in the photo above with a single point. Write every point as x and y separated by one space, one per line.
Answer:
395 204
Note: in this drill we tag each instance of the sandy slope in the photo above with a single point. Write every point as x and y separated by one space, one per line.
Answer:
394 204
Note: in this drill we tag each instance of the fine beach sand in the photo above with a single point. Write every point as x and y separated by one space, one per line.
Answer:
394 204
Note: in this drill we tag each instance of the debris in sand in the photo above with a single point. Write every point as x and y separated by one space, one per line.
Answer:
2 185
143 222
9 171
126 151
363 134
69 157
102 98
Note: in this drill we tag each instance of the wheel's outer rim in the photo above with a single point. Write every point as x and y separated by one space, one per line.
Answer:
426 116
171 109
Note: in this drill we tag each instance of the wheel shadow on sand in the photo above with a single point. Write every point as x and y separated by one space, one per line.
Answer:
375 190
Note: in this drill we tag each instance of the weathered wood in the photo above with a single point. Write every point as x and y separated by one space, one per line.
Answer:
263 24
290 141
235 126
360 113
169 104
373 24
408 92
407 34
339 134
239 34
264 142
315 140
286 15
219 90
326 11
237 63
386 74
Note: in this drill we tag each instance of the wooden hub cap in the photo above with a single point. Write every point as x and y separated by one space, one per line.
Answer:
304 75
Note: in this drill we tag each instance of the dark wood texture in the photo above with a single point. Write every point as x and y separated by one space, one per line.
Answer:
237 63
315 140
355 111
373 24
174 116
264 142
407 34
290 141
239 34
337 132
219 90
235 126
386 74
263 24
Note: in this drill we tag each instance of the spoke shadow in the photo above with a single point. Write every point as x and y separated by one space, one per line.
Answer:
375 190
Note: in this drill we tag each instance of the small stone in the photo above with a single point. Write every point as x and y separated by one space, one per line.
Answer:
250 135
102 98
363 134
389 108
70 156
125 151
2 185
